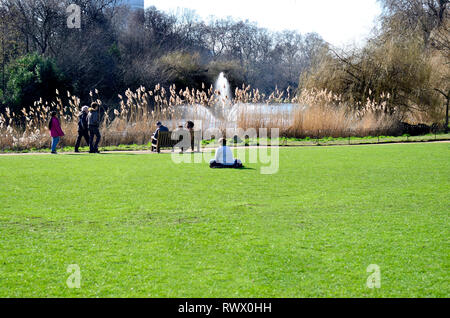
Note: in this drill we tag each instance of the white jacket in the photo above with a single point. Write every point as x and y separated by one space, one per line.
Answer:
224 155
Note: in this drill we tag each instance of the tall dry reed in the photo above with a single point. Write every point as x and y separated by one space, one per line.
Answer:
323 114
313 113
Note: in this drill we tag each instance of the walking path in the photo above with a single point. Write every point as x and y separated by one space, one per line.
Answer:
143 152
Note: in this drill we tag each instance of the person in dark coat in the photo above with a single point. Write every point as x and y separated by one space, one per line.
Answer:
83 131
160 127
93 125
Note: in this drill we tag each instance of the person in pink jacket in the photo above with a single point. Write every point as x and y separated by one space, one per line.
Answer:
55 131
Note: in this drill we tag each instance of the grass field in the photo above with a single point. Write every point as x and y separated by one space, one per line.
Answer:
142 226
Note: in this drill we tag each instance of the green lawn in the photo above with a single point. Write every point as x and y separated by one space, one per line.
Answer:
142 226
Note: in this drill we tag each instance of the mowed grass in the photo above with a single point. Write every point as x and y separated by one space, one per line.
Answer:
142 226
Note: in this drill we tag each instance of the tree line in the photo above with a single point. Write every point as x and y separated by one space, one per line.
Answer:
404 66
117 48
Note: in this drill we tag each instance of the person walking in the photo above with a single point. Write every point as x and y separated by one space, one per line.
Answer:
55 131
93 126
83 131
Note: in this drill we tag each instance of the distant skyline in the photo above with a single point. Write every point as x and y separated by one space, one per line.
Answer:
340 22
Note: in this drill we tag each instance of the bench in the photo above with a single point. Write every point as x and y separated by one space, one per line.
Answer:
165 141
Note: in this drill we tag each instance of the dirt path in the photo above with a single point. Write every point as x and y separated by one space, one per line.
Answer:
143 152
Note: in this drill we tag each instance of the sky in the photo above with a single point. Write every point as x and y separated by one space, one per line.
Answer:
340 22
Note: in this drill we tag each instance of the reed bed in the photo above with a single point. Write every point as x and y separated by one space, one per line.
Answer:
321 114
133 120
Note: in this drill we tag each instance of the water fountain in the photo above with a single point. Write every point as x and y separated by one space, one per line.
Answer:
223 90
224 100
225 113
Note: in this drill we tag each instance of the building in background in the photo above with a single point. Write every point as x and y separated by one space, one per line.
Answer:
133 4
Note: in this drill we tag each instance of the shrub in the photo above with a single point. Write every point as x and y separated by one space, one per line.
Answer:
30 78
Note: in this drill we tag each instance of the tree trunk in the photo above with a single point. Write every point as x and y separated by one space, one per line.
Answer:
3 67
446 111
446 116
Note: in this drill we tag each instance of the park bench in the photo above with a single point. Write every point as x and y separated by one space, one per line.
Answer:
165 141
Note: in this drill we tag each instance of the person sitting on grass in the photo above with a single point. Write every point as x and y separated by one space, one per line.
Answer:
55 131
93 125
160 127
224 157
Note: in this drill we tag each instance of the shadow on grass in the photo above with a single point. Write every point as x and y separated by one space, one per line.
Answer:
226 169
246 168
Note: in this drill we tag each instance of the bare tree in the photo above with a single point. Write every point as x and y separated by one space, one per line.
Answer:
430 17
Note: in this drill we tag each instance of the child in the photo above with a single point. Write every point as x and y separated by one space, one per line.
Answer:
55 131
